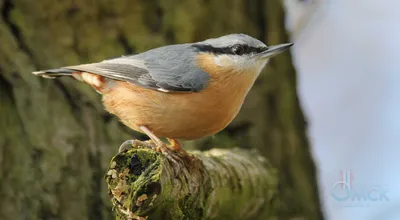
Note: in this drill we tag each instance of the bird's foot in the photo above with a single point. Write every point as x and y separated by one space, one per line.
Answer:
129 144
168 152
173 149
175 155
175 146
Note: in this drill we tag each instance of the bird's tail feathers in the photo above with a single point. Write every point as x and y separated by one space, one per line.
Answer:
53 73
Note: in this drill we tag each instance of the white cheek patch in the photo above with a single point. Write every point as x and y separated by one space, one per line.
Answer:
217 61
245 63
240 63
224 60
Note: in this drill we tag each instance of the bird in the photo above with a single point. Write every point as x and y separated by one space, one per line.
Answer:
179 92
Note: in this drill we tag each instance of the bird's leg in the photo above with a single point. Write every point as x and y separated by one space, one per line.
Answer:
136 143
154 138
158 145
169 151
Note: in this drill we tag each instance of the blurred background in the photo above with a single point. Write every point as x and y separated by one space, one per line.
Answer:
346 56
341 108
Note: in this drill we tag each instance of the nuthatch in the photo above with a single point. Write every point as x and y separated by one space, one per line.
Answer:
183 91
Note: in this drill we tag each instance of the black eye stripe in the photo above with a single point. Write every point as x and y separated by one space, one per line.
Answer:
228 50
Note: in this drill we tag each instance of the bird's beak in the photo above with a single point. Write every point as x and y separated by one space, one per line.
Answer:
275 50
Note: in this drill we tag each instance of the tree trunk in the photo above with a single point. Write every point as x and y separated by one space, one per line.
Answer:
215 184
56 140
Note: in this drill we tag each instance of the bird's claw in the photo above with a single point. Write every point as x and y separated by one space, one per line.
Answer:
177 157
169 153
129 144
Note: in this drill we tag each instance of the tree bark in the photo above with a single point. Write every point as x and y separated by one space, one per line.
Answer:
55 138
216 184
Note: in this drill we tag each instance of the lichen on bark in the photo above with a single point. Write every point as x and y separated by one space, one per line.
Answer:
215 184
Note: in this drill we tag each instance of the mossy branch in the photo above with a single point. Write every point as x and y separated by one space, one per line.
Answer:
215 184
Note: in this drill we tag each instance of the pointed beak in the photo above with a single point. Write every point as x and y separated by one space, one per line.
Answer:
275 50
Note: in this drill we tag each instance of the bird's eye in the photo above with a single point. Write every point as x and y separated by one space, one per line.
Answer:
239 49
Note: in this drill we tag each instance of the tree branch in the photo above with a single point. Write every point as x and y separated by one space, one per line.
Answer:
215 184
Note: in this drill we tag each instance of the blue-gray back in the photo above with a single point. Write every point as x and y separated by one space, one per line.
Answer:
175 68
169 69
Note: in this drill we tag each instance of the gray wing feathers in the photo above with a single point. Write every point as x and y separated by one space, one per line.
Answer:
123 72
175 68
171 68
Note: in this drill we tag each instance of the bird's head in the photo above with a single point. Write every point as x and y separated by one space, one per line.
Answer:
239 52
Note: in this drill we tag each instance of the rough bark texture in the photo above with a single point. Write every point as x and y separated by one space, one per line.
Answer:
55 138
215 184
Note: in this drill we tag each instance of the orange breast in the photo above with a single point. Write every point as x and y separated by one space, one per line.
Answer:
182 115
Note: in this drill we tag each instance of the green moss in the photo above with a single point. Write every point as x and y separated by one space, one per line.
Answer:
190 208
133 179
196 189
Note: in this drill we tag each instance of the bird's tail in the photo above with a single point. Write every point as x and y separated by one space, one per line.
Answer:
53 73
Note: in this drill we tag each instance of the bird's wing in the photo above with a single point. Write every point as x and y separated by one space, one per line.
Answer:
164 71
175 68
